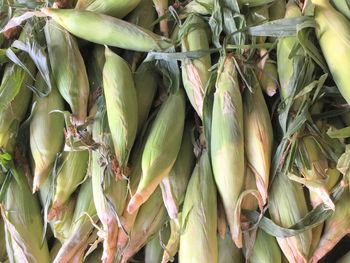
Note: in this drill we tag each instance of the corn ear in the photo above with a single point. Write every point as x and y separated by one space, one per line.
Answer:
227 139
228 252
109 194
114 8
143 15
203 7
258 15
284 48
146 88
95 68
195 73
336 227
154 249
150 218
46 133
258 136
333 33
81 227
287 205
199 216
157 161
69 175
267 74
20 211
68 69
117 33
121 104
265 249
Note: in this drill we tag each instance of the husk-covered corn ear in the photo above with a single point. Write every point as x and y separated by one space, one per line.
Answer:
174 188
154 248
258 136
161 148
121 105
227 139
336 227
46 133
267 74
146 88
114 8
68 69
20 211
333 32
227 250
195 72
14 85
81 228
70 174
342 7
143 15
203 7
249 202
118 33
109 194
150 218
198 240
287 205
284 48
265 249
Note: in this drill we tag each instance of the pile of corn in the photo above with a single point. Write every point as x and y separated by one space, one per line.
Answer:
187 131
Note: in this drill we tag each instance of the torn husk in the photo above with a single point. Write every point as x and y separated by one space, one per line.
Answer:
198 240
336 227
150 218
109 193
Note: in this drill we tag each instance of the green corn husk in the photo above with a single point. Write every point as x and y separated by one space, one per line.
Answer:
54 250
157 161
69 175
143 16
195 73
68 69
342 7
333 33
203 7
257 16
150 218
173 188
119 8
46 133
23 223
109 194
267 74
81 228
336 227
254 3
258 136
95 68
284 48
198 241
265 249
277 10
3 253
228 252
345 258
121 104
287 205
118 33
146 88
227 140
154 250
14 85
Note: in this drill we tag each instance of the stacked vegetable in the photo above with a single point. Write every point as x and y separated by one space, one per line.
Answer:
217 132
